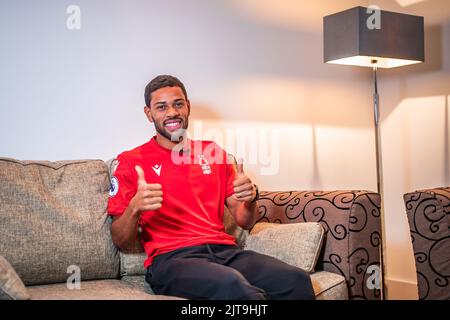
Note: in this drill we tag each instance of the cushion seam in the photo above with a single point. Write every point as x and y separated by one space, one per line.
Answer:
329 288
319 247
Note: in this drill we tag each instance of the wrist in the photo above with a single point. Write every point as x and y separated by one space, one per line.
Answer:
134 210
256 194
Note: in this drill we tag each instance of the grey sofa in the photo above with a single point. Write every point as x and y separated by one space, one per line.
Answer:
428 214
53 223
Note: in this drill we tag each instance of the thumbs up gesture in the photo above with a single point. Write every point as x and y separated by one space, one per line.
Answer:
244 189
148 196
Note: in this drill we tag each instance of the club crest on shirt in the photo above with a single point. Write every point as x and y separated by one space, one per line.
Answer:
114 187
204 164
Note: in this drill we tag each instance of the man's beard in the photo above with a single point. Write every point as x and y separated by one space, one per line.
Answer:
176 136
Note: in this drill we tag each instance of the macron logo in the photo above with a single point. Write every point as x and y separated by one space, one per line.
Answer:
157 169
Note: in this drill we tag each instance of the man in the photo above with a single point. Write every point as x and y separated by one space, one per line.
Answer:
175 189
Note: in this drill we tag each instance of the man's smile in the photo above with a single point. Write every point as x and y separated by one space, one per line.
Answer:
173 124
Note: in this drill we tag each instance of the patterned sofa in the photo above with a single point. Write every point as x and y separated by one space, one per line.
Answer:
351 220
428 214
53 220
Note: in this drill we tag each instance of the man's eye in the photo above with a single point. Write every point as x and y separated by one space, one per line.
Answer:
180 104
160 107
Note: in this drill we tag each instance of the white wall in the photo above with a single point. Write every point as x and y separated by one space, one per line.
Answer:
79 93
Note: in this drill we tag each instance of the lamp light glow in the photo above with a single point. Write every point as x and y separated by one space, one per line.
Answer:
380 62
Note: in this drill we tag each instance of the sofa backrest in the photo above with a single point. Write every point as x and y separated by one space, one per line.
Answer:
352 222
428 214
53 220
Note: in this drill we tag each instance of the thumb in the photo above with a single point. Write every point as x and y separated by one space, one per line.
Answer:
240 166
141 176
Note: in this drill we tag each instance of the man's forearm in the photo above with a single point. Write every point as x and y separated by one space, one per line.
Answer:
124 229
246 214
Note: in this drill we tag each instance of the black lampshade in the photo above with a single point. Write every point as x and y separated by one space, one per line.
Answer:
348 40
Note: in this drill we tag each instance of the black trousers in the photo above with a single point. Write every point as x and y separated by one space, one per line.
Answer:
226 272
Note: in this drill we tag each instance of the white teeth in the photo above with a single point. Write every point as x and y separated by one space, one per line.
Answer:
172 124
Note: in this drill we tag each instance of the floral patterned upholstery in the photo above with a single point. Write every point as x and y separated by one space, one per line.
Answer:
429 222
351 220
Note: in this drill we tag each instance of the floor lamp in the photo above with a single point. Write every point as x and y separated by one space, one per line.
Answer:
370 37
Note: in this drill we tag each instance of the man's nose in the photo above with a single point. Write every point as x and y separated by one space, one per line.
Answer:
172 111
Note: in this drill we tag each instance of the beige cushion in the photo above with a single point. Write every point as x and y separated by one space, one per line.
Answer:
329 286
139 283
132 264
94 290
11 286
297 244
52 216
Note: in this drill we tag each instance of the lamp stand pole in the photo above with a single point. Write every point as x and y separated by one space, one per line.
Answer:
376 104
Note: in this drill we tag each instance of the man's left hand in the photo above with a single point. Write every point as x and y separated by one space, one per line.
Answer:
244 190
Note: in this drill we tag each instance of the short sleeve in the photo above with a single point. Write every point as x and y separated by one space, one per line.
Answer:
231 176
123 187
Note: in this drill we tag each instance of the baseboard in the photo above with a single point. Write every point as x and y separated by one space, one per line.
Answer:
397 289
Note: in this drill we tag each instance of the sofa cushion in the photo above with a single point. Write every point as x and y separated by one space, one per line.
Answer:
326 285
53 216
94 290
139 283
297 244
11 286
329 286
132 264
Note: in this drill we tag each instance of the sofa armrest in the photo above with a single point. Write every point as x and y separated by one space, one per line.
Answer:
352 223
428 214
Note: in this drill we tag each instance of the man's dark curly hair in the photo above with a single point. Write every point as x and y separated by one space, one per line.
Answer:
159 82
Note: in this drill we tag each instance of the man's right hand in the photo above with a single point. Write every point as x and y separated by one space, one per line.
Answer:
148 196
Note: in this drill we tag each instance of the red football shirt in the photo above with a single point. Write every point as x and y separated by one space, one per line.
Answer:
195 184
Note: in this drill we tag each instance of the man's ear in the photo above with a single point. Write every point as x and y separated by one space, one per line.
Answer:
148 114
189 107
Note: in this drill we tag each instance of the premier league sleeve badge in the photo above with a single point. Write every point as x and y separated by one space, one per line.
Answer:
114 187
